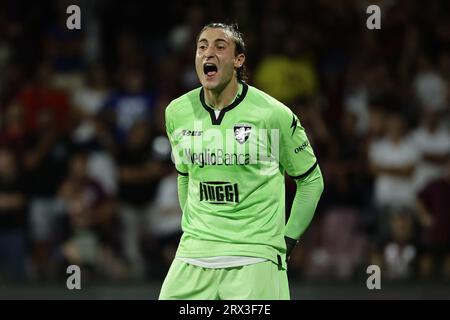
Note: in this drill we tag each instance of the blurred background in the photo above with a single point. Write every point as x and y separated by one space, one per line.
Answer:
85 170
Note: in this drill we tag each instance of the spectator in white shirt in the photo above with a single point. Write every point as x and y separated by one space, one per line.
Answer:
433 142
392 160
429 86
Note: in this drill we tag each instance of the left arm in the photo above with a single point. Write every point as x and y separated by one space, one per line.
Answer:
298 159
307 196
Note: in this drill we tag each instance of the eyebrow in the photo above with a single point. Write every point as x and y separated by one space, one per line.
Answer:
217 40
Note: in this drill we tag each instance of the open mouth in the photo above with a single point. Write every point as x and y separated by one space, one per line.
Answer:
209 69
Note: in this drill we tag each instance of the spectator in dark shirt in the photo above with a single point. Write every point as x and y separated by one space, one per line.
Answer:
396 251
130 104
13 134
139 174
13 215
433 204
45 163
89 224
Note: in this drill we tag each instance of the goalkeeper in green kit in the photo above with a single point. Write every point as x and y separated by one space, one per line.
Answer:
232 144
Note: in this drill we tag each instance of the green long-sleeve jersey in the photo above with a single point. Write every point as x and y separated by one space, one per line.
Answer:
235 160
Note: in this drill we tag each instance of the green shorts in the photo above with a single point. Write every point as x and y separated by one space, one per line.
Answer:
259 281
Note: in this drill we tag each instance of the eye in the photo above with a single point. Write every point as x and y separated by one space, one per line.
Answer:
202 47
220 47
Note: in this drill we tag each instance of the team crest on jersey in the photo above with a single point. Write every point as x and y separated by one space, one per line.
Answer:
242 132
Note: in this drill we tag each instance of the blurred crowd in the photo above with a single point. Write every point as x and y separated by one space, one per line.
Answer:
85 170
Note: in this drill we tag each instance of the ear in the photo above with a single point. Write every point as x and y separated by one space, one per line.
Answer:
239 60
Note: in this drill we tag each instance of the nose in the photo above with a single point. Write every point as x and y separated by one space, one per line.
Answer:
209 52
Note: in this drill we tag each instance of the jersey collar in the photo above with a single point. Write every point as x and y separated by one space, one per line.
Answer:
218 120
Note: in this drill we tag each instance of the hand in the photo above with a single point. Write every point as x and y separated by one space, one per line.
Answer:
290 245
426 220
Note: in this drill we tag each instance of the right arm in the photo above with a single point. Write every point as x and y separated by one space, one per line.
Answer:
424 216
183 177
183 182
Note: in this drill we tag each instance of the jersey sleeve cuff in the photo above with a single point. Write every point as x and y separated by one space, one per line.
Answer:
303 175
182 173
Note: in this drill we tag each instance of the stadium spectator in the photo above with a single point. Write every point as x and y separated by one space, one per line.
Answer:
165 218
88 101
433 203
289 75
45 163
89 225
429 85
132 103
139 175
13 219
396 252
41 96
393 159
14 134
432 140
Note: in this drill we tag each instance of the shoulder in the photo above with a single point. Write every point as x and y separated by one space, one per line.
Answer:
258 96
275 109
183 102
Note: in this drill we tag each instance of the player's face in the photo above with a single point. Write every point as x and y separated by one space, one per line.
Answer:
215 60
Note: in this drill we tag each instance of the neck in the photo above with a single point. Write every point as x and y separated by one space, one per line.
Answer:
221 97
